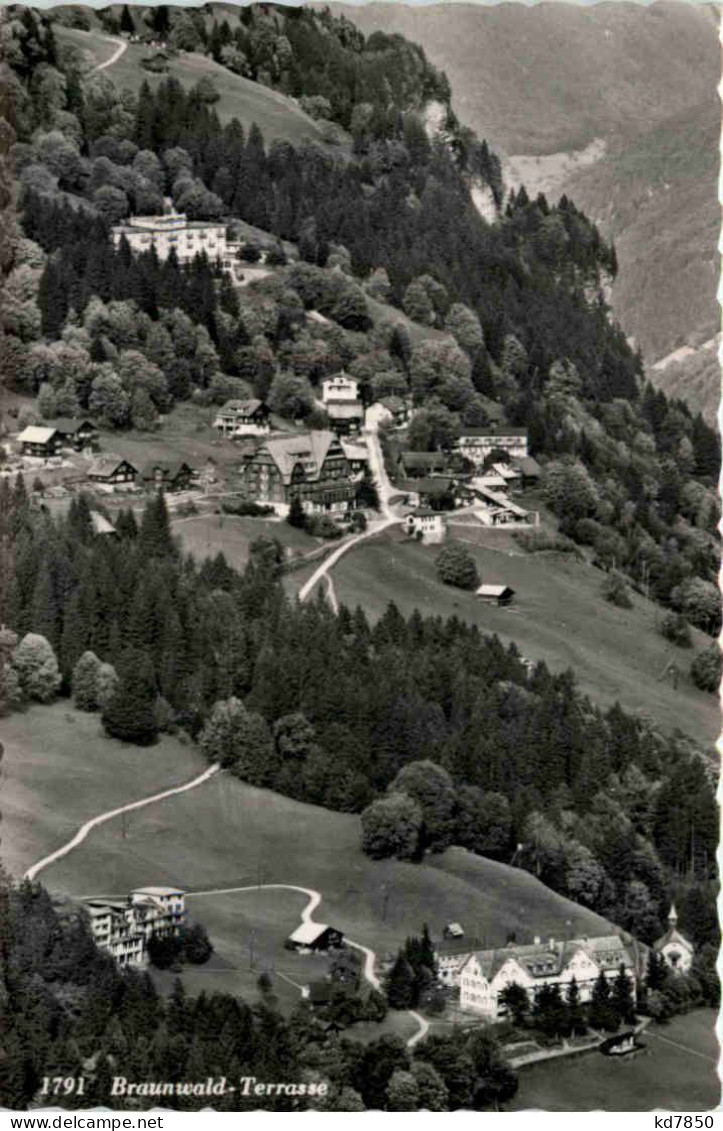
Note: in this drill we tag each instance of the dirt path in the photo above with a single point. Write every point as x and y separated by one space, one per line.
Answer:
101 819
121 50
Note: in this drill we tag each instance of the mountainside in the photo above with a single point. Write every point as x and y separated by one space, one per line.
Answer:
615 105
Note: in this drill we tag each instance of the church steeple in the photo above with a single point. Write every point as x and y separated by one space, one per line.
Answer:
673 915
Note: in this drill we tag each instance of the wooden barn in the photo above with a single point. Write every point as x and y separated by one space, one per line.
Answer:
316 937
496 594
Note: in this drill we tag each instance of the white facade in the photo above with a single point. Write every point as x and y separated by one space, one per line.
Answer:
242 418
676 950
485 974
478 443
125 928
340 388
427 523
175 230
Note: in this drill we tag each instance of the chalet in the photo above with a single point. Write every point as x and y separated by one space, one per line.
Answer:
112 471
312 466
511 476
345 417
243 418
124 927
486 973
314 937
40 441
415 465
476 444
496 594
78 434
426 524
673 947
174 476
529 469
340 389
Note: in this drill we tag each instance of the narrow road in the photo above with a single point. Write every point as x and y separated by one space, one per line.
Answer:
307 915
375 527
110 814
122 48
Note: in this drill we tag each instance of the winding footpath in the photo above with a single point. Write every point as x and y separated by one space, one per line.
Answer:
101 819
307 914
122 48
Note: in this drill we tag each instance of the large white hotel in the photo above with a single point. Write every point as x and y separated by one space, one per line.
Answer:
124 927
173 230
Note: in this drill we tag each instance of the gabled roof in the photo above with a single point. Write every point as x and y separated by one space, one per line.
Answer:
243 408
424 512
542 960
170 469
309 447
341 410
69 425
308 933
107 465
153 891
354 451
493 430
101 525
673 937
35 434
527 465
493 590
424 459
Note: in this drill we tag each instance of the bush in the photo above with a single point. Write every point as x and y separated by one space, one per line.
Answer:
187 509
246 508
675 628
456 566
615 591
196 946
322 526
707 668
250 253
539 541
164 951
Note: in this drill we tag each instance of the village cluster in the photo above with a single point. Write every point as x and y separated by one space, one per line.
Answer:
473 976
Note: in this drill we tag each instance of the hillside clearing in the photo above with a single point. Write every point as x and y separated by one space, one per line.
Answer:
227 834
558 616
207 535
276 115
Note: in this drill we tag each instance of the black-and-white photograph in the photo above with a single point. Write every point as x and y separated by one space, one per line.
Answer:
359 552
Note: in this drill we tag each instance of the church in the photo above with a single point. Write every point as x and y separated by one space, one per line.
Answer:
673 947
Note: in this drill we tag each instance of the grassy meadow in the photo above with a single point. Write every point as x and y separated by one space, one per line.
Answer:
675 1071
558 616
61 770
276 115
206 535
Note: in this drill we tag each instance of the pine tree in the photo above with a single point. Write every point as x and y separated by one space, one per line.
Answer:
400 984
622 997
126 21
296 516
155 536
130 715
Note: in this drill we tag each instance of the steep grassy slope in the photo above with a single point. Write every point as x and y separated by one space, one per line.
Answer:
638 82
558 616
228 834
276 115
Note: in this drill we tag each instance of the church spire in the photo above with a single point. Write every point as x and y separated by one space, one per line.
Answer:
673 915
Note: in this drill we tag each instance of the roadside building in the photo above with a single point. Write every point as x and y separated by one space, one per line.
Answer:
426 524
486 973
315 937
174 476
40 441
674 948
419 465
112 471
496 594
243 418
312 466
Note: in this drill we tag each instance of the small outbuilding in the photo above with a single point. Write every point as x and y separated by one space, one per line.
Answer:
426 524
496 594
315 936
